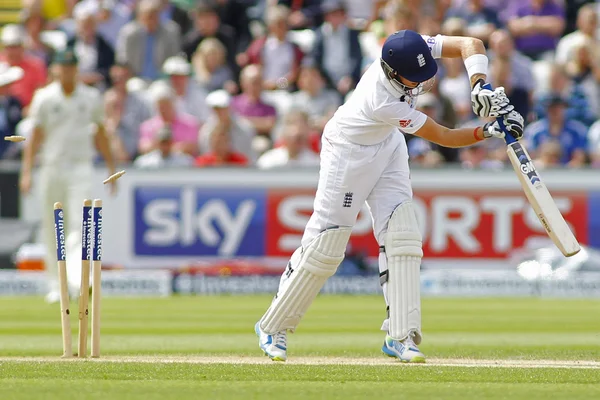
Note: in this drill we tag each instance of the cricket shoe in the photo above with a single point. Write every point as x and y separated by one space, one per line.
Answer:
273 346
405 350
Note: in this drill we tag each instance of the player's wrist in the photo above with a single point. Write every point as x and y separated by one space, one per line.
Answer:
477 67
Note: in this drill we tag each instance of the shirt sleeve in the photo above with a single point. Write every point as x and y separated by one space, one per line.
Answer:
401 116
435 44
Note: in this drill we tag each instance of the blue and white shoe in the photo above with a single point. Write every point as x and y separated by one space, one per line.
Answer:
405 350
273 346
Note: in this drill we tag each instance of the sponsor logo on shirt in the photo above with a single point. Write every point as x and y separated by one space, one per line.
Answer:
405 123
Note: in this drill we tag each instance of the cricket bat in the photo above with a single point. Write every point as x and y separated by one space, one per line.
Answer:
539 197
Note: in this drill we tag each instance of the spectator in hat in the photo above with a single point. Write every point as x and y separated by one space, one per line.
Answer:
278 56
164 155
190 96
10 107
221 152
146 43
209 64
249 103
207 24
571 134
314 98
34 70
184 127
94 53
240 131
421 153
477 157
337 51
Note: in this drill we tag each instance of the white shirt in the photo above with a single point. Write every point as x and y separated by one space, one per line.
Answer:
374 111
279 157
278 58
155 159
68 123
566 46
594 138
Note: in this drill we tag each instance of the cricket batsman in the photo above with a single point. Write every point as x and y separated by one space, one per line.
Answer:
364 158
68 126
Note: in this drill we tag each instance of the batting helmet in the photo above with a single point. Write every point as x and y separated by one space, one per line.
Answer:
406 54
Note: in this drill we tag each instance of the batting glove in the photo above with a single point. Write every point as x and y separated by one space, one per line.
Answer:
489 103
513 122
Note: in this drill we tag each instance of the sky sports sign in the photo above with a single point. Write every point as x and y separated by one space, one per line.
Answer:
184 221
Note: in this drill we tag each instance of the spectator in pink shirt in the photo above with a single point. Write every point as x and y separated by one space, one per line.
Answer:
34 70
184 127
250 105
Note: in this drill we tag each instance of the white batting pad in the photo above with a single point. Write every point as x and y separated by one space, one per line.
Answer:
404 250
309 269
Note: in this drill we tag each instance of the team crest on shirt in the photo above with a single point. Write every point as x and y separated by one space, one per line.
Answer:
404 123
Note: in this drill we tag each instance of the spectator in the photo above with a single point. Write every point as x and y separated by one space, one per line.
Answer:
164 155
34 70
190 95
221 152
184 126
319 102
501 73
571 134
295 151
298 117
521 77
279 57
10 107
593 140
456 86
210 67
303 14
146 43
240 131
578 97
249 103
34 24
550 155
433 106
94 53
207 24
476 157
337 50
113 15
234 13
537 26
421 153
480 20
125 112
587 25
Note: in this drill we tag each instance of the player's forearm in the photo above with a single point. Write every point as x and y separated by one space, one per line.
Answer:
472 52
461 137
31 148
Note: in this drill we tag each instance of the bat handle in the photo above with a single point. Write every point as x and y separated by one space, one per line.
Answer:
508 138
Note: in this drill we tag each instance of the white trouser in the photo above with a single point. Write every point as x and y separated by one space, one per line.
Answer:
351 174
70 186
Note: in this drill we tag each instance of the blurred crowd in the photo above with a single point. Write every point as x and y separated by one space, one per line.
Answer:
203 83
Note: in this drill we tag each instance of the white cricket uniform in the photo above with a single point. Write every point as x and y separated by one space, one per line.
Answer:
66 166
364 156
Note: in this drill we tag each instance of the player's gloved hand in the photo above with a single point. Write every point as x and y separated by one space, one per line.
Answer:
513 121
489 103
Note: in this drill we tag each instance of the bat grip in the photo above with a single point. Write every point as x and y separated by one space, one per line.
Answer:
508 138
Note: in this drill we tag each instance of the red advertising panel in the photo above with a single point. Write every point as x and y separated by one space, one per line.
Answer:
454 225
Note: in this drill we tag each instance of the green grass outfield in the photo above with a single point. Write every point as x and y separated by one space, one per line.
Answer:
205 348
